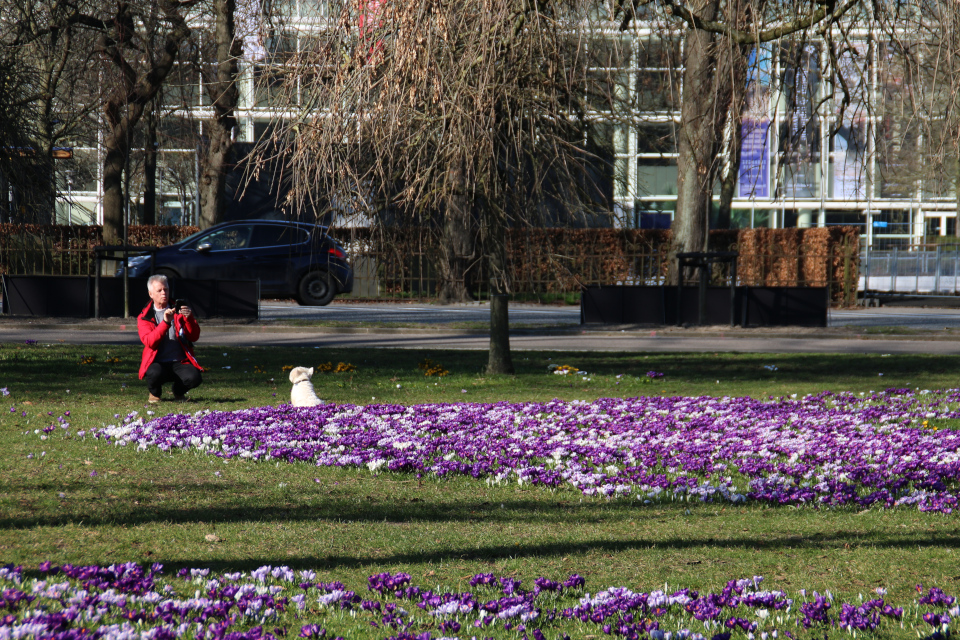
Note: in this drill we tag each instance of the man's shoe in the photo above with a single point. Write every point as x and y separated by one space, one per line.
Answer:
152 399
181 398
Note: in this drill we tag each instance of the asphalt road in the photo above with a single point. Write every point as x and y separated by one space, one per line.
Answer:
927 319
566 316
648 342
535 328
422 314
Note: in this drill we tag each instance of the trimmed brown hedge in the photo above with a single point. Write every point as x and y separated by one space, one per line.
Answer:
550 261
68 249
563 260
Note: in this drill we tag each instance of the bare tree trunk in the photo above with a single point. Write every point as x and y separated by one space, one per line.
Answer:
117 147
125 108
956 187
703 110
213 176
728 184
36 195
150 167
40 192
4 198
224 96
36 188
499 360
457 243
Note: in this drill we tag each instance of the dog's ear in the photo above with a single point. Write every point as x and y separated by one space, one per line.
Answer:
294 373
310 372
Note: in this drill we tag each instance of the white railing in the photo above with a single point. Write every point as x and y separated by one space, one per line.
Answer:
931 271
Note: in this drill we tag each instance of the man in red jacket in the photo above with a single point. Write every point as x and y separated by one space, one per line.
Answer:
167 335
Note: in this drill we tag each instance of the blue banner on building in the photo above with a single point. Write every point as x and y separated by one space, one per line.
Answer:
755 159
754 177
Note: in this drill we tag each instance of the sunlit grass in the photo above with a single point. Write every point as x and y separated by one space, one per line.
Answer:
81 500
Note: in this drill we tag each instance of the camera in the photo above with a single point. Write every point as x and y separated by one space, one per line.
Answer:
179 303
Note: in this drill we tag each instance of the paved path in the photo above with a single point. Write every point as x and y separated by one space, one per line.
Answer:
566 316
648 341
424 326
424 314
911 318
594 342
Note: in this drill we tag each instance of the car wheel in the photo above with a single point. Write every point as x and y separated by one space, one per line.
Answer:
316 290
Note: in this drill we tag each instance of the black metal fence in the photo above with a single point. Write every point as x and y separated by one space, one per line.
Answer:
67 250
87 297
546 265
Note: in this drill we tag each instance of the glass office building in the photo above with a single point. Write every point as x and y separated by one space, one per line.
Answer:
814 151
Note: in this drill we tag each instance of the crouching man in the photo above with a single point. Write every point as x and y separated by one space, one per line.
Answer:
167 335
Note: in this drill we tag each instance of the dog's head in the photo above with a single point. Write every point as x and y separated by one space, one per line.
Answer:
299 374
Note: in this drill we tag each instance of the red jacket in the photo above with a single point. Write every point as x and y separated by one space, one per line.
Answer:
151 333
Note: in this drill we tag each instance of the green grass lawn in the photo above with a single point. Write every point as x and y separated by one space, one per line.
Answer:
84 501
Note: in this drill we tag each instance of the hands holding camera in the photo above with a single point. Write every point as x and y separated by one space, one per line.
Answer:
179 307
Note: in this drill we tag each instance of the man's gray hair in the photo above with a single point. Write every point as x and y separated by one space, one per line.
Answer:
157 277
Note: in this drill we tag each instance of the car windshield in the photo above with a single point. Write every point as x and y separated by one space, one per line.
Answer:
192 237
321 232
229 238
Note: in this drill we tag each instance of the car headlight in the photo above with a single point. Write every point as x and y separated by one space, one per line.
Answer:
137 264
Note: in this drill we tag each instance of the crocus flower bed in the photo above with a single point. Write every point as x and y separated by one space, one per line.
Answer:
826 450
128 601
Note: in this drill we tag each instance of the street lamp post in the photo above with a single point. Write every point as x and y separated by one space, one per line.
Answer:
69 198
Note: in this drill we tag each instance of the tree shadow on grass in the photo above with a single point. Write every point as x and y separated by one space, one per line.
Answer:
366 509
405 504
493 553
559 549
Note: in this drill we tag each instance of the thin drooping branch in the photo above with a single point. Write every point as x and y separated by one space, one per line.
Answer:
221 86
464 118
56 93
134 90
823 15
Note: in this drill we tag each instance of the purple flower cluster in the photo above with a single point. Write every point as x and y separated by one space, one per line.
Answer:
124 602
829 449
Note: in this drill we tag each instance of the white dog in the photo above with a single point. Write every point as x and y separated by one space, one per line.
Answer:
302 393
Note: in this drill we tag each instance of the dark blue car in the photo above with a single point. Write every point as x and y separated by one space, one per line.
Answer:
290 259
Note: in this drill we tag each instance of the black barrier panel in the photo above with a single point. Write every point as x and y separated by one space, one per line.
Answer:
221 298
780 306
202 296
111 296
48 296
72 296
754 306
231 298
603 305
717 311
644 305
651 305
622 305
207 298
